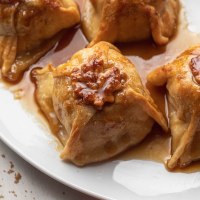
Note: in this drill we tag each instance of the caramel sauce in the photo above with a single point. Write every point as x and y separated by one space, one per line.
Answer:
146 56
155 147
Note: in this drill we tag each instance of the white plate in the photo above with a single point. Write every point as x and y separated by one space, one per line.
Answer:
133 179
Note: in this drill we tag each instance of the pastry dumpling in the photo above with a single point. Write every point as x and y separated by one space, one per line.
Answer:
100 100
26 28
129 20
182 79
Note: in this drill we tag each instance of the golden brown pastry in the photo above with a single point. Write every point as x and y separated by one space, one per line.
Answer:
43 80
182 79
129 20
100 100
25 29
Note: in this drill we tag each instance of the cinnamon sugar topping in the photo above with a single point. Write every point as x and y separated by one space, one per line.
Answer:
95 85
195 68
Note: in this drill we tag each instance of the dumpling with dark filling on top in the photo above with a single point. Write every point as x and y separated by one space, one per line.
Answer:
182 80
99 98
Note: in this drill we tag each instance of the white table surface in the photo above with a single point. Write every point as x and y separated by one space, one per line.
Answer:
33 185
